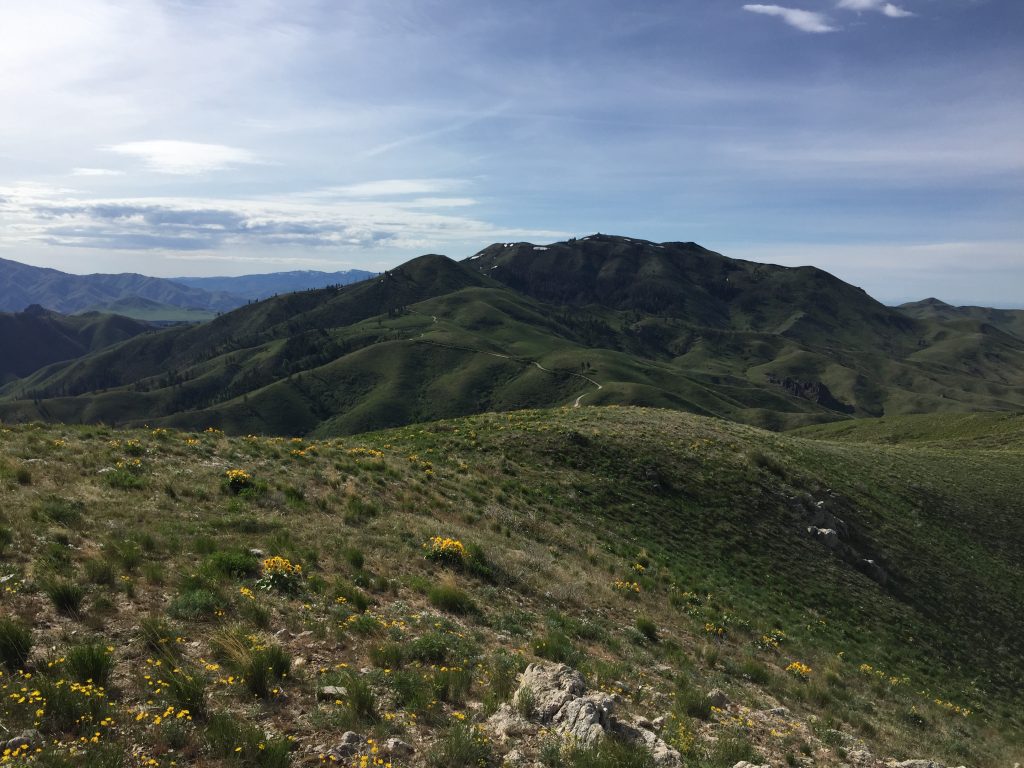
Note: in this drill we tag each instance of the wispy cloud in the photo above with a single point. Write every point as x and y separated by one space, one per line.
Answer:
184 157
805 21
881 6
96 172
396 187
57 217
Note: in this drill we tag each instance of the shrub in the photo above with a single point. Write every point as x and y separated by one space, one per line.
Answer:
90 662
389 655
66 596
72 709
452 684
236 481
60 511
461 746
556 646
731 749
646 627
157 635
245 744
354 557
6 539
279 573
692 703
446 551
124 478
352 596
609 753
197 604
100 571
15 643
126 552
264 668
186 688
236 564
502 673
449 597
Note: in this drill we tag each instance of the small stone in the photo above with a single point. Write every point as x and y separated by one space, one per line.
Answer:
718 698
398 748
348 746
333 691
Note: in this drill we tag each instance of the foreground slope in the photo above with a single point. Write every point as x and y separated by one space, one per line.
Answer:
661 554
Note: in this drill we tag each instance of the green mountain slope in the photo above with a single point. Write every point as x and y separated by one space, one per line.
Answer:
1007 320
601 320
662 554
35 338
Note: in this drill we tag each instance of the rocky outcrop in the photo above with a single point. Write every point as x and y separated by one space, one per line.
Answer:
560 700
815 391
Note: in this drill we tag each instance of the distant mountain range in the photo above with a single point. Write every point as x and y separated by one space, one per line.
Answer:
150 298
265 286
598 320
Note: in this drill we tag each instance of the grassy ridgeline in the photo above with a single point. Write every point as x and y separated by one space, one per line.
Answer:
662 554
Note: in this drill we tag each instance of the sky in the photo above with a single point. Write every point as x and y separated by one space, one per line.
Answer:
883 142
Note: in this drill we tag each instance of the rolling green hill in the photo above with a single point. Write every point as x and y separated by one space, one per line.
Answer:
34 338
1007 320
849 601
600 320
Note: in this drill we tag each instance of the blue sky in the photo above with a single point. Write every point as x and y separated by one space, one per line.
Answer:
881 141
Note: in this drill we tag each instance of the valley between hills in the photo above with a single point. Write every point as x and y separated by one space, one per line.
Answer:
596 503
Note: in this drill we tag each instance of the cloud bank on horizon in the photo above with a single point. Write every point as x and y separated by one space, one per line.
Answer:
883 141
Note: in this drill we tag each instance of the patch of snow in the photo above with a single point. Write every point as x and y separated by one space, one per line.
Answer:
540 247
495 266
475 257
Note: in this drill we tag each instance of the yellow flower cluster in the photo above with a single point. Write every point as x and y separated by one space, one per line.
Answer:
715 629
799 669
639 567
771 641
952 708
278 564
445 549
237 480
893 680
373 453
626 586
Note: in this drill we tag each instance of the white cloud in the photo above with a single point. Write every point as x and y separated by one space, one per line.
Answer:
38 215
184 157
96 172
395 188
890 10
805 21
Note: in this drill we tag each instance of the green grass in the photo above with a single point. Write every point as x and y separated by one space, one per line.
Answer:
15 643
708 518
